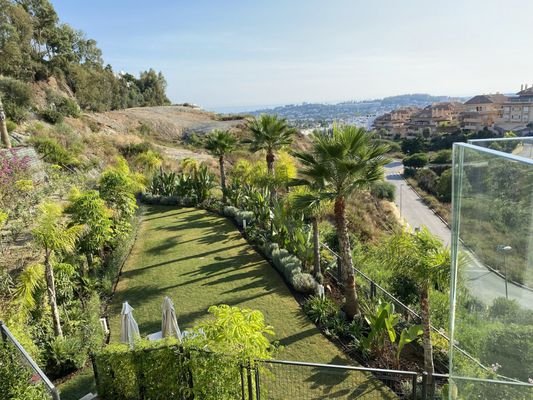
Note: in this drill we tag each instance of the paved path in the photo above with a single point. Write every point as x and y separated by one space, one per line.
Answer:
484 284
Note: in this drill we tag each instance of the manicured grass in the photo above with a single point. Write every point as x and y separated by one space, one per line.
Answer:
78 385
199 259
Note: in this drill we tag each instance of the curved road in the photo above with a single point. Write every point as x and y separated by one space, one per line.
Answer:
485 284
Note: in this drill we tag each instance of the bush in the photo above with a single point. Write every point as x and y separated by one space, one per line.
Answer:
444 186
51 116
511 347
417 160
53 152
11 126
16 97
320 309
427 180
383 190
504 309
442 157
16 383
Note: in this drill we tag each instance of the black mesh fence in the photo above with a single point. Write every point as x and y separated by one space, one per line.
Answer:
279 380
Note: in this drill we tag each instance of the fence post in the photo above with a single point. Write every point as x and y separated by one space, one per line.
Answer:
243 393
250 382
424 386
414 383
372 289
257 386
3 335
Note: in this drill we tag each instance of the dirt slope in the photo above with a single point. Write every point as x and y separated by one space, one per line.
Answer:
166 123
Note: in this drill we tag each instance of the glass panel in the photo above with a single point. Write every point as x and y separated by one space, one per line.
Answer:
519 146
492 272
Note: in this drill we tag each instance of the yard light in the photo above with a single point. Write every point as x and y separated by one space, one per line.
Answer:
505 249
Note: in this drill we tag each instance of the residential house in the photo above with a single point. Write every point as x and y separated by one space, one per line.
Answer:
435 117
394 123
482 111
518 110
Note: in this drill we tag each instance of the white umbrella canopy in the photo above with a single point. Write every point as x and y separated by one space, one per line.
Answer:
129 330
169 323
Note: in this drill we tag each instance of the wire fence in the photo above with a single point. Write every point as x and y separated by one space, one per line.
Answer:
24 359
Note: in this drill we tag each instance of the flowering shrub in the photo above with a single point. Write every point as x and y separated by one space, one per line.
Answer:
13 169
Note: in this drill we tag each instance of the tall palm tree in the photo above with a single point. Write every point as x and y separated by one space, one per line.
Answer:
219 143
340 164
423 258
270 133
53 235
313 207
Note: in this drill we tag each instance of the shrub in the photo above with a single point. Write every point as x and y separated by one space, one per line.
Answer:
510 346
504 309
11 126
320 309
16 381
383 190
417 160
409 172
16 97
442 157
53 152
51 116
427 180
304 283
444 186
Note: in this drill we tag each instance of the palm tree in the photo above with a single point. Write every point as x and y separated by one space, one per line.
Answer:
313 207
338 165
423 258
53 235
219 143
270 133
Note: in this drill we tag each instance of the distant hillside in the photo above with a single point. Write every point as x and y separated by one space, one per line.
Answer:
322 112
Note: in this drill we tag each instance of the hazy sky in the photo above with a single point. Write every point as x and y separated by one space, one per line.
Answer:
249 53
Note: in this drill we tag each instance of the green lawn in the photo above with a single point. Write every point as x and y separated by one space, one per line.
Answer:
199 259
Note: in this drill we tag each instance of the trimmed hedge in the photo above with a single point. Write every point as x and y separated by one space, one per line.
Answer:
153 199
164 370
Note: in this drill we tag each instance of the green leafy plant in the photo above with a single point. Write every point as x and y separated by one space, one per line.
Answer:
320 309
382 322
407 336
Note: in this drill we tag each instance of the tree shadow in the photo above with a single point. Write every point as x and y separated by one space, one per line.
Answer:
167 244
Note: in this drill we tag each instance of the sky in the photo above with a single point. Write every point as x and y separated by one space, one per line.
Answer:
248 54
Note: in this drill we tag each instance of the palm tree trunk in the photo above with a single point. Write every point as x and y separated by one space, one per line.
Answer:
222 178
4 136
51 289
316 250
351 306
426 337
270 168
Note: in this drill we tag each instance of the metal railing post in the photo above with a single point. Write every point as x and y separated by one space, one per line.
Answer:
257 387
414 383
250 382
243 392
424 385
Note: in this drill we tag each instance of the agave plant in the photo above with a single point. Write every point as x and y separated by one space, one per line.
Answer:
163 183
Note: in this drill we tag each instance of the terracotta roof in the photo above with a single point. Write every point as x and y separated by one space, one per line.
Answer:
487 99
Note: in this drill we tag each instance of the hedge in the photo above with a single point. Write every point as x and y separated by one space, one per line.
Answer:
164 370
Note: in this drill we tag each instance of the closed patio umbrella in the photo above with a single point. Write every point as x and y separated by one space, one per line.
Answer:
169 323
129 330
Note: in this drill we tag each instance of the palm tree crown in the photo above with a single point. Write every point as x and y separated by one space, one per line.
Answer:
270 133
342 162
219 143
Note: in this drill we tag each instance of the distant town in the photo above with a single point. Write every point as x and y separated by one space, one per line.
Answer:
407 116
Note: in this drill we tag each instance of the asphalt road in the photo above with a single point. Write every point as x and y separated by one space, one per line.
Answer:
483 283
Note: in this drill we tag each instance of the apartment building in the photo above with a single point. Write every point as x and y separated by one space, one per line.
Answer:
394 122
518 110
438 115
482 111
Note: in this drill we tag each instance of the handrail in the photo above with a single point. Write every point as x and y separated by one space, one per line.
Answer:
5 334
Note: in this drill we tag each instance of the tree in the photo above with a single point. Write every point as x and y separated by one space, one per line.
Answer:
88 208
423 258
219 144
270 133
444 186
338 165
53 235
415 145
